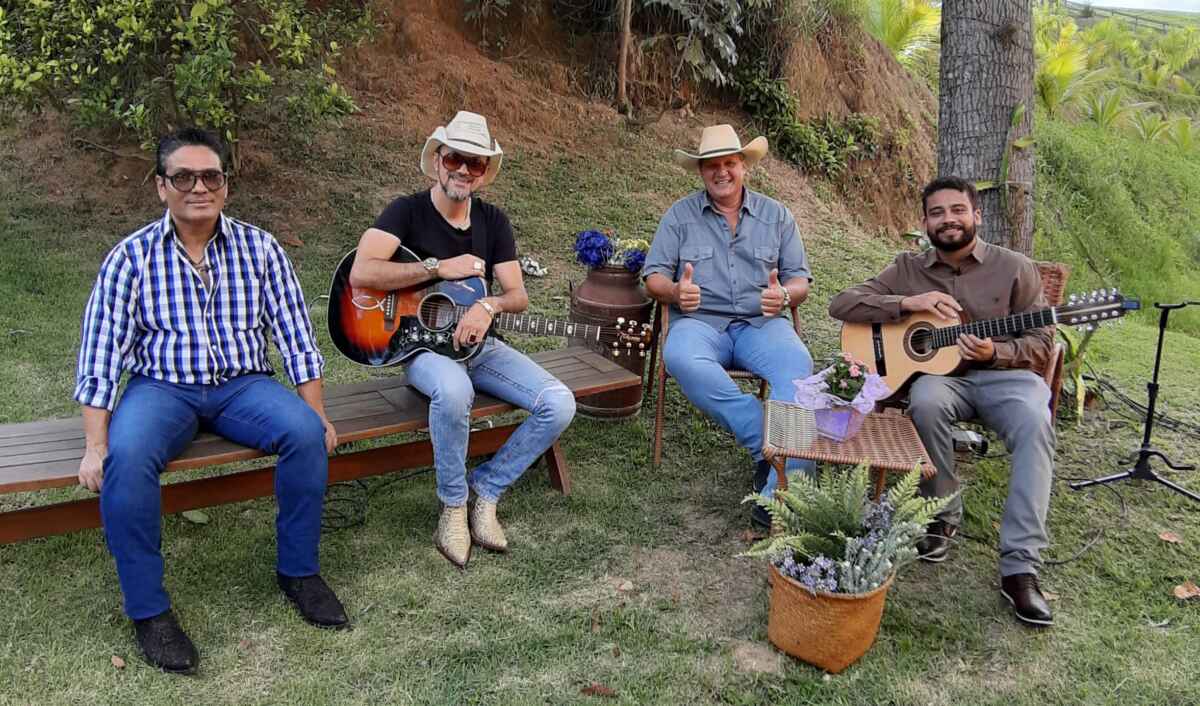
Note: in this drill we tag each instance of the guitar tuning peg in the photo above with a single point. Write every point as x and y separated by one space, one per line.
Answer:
620 321
632 324
641 354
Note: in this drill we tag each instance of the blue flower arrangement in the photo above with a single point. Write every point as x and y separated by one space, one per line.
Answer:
602 248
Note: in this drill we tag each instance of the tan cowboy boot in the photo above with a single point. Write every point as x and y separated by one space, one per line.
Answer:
452 538
485 528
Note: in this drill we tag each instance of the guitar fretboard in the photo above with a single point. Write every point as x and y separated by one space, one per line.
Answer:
541 326
988 328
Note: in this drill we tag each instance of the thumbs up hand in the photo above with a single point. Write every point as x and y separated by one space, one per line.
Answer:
774 296
687 293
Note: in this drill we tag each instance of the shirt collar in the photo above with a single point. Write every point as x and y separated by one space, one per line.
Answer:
749 201
166 227
978 253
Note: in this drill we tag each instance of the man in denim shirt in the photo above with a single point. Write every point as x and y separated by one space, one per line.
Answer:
728 261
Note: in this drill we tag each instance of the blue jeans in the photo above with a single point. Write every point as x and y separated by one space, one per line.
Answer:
697 356
502 372
154 421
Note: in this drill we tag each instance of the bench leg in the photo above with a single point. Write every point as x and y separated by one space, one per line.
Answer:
556 464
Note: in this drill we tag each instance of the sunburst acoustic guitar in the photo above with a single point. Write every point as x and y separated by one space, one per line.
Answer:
378 328
923 343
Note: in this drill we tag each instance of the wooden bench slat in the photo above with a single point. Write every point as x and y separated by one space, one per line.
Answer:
45 454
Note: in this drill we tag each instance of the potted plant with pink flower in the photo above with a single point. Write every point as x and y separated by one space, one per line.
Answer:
841 396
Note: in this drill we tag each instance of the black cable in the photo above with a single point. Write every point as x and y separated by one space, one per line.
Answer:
346 503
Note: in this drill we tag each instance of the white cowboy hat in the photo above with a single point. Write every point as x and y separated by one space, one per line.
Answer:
720 140
467 133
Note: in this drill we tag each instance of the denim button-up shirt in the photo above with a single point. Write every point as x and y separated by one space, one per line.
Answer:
731 269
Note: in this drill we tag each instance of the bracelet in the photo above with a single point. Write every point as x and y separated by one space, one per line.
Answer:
491 310
787 297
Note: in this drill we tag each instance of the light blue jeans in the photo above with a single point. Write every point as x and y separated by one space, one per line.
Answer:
697 356
502 372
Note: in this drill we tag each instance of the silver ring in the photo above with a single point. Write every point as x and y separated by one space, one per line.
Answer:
478 265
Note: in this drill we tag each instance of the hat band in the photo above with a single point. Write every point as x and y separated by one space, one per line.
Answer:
722 150
481 146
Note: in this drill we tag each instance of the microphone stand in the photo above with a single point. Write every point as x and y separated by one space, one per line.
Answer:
1141 469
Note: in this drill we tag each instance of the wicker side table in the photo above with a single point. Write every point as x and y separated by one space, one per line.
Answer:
888 441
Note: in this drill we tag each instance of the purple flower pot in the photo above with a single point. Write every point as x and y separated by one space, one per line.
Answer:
838 423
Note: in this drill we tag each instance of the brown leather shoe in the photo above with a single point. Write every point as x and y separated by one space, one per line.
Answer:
453 538
1029 605
935 545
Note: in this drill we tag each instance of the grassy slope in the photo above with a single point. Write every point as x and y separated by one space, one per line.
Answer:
556 615
1122 212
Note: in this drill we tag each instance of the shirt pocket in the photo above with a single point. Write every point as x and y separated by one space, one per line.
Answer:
701 258
766 258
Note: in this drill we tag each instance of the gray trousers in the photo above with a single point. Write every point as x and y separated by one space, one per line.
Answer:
1016 405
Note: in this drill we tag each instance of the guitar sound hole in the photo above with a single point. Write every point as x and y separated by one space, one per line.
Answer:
918 342
436 312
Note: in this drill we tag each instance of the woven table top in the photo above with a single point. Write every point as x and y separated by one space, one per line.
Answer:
888 441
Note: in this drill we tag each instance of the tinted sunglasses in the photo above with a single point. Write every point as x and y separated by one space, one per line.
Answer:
186 181
476 166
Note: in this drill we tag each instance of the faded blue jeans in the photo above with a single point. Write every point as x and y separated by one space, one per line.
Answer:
153 423
697 355
503 372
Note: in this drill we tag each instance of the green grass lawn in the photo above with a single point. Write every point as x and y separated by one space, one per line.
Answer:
631 582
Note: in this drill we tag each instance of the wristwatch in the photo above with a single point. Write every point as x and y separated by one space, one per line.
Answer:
431 265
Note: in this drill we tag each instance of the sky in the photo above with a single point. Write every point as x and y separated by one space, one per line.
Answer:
1178 5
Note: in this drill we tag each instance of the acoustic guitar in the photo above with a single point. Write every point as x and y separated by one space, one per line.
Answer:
379 328
924 343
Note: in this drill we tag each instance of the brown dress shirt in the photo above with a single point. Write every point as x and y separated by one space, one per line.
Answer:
991 282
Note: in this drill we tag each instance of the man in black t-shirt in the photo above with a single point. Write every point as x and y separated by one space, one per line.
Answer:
459 237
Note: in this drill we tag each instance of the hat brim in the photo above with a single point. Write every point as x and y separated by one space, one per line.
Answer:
752 153
495 155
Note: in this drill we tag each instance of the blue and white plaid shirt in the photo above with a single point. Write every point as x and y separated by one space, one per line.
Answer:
151 314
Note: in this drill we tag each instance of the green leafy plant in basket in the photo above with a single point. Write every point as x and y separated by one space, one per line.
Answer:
830 536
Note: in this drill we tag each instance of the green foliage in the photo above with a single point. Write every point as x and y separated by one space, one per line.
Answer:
708 47
143 66
824 146
909 28
1109 109
833 516
1120 211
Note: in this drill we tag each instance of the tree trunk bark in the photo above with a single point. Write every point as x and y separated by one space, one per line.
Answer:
626 10
987 81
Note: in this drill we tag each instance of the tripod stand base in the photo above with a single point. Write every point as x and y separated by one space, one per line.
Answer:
1134 474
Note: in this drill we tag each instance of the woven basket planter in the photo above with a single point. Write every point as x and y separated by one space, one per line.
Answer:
827 630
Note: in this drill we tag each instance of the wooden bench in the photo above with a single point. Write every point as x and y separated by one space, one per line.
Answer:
46 454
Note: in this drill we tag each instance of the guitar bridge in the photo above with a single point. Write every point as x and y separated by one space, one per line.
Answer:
877 345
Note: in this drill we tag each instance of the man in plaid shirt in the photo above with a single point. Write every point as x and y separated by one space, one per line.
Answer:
185 305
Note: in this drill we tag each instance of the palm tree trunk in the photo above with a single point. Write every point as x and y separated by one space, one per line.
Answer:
987 81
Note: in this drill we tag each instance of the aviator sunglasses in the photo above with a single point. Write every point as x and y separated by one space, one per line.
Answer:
476 166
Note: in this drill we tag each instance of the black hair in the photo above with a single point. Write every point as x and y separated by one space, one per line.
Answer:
189 136
950 182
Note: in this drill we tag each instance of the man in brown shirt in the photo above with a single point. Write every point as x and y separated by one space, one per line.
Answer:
1001 387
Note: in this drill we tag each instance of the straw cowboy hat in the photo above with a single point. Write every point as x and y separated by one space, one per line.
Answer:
467 133
720 140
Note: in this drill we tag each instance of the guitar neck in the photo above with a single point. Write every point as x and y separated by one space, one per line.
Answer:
541 326
988 328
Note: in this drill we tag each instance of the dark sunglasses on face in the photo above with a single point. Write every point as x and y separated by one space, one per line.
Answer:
476 166
186 181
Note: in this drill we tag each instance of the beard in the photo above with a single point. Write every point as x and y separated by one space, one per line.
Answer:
454 189
953 243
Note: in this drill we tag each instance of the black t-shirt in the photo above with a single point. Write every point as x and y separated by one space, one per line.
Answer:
416 222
